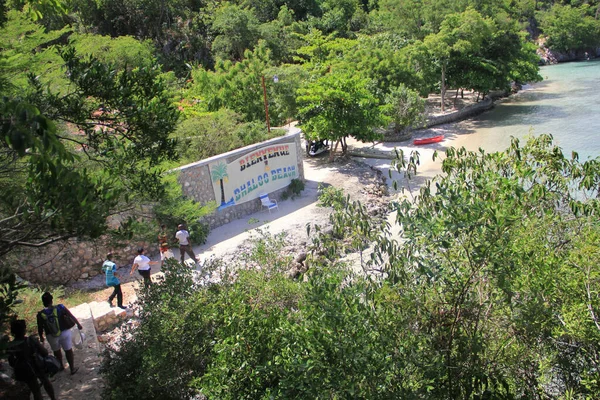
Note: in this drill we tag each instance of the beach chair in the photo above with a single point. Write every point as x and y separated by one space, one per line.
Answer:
266 202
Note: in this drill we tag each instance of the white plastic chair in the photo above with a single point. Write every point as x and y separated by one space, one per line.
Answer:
266 202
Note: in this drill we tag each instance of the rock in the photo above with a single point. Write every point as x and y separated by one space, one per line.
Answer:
300 258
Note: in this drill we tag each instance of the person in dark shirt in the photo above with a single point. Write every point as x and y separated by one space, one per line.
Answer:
21 352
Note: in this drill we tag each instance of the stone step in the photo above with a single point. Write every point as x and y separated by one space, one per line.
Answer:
83 314
104 316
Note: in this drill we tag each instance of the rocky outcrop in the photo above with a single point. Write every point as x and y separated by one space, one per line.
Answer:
548 56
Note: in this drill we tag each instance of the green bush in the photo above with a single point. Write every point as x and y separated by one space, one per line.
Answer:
174 209
293 190
330 196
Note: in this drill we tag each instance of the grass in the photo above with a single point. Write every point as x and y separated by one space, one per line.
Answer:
32 302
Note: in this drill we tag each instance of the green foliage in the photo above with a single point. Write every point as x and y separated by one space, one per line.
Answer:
174 209
330 196
237 87
9 293
27 48
570 28
293 190
337 16
476 52
279 35
165 343
122 52
339 105
282 96
405 107
236 31
214 133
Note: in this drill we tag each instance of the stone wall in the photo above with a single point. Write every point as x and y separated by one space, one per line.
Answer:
459 115
74 260
196 181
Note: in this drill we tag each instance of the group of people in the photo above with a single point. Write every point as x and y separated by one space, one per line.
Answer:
143 264
54 322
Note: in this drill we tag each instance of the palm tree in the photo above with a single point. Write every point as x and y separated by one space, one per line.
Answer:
220 172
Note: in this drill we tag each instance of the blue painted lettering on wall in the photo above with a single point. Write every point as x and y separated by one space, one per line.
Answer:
246 188
283 173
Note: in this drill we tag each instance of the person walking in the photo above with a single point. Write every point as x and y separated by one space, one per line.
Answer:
142 263
21 352
110 269
183 236
56 322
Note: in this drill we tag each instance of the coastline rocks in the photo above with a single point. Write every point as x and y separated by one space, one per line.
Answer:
548 57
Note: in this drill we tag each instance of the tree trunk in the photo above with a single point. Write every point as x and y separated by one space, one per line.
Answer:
443 86
332 151
344 145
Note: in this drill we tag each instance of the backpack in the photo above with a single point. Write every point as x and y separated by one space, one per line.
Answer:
51 324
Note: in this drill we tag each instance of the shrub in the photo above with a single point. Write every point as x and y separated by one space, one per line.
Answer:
294 189
174 209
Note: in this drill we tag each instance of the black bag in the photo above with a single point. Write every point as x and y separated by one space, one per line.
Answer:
49 364
66 322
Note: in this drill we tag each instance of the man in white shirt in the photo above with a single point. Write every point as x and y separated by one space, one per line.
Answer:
142 263
183 236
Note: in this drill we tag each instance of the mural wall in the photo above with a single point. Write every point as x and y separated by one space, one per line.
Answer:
234 180
264 170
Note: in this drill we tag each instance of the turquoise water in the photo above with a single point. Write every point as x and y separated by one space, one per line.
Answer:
566 104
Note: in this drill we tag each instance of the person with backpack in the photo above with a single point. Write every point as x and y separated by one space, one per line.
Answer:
110 269
21 356
56 322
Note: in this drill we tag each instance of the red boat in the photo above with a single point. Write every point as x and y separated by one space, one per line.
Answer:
428 140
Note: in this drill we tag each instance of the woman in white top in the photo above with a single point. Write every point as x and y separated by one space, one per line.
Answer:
142 263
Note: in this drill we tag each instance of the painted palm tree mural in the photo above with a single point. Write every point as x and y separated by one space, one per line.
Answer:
219 173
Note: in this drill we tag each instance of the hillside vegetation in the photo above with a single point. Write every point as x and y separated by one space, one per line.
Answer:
494 295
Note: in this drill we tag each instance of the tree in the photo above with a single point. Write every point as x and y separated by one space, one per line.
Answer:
405 107
236 30
236 86
336 106
570 28
114 129
460 35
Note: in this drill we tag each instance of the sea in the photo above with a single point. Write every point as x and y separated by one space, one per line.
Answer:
566 104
